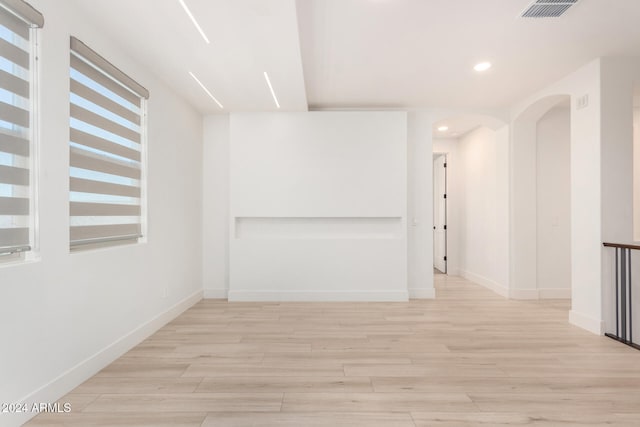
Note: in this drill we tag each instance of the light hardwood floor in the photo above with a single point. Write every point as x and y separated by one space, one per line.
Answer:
467 358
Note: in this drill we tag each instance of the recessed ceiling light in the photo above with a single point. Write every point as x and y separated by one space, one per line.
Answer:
193 19
275 99
482 66
443 128
206 90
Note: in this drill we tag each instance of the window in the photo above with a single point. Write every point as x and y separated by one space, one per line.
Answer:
106 151
18 23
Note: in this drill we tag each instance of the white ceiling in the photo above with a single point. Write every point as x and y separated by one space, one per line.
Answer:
364 53
247 38
460 124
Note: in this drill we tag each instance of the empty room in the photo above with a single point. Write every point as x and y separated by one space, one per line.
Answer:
319 213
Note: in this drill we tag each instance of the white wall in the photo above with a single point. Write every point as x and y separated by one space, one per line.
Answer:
483 207
524 199
601 178
586 214
419 184
618 78
215 201
308 180
65 316
553 195
636 168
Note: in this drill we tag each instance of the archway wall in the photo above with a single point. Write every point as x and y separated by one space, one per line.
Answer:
524 203
586 216
553 196
601 95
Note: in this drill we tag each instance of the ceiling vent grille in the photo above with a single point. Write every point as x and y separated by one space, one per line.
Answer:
548 8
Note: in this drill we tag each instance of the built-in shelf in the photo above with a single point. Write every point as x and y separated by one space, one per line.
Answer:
318 227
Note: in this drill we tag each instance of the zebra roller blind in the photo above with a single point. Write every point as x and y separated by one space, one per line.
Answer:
106 136
17 63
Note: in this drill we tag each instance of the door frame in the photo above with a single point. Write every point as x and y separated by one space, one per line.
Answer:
436 203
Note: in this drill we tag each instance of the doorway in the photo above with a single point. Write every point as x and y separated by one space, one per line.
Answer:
440 213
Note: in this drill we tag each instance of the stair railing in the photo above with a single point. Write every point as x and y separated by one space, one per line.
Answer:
624 288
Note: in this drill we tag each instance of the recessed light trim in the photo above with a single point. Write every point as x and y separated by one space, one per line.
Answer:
206 90
443 128
273 93
482 66
193 19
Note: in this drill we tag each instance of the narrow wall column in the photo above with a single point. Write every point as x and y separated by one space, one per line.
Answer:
420 205
215 204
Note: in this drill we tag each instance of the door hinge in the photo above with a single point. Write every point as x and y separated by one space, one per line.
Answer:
445 258
445 227
445 196
445 165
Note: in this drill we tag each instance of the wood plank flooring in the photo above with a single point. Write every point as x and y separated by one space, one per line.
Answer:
467 358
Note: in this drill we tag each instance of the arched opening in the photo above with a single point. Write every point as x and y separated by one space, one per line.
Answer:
540 214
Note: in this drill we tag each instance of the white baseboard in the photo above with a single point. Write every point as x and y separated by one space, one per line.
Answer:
590 324
84 370
422 293
558 293
285 296
524 294
216 293
545 293
487 283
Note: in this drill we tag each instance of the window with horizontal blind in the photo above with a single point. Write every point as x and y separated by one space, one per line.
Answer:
106 151
18 24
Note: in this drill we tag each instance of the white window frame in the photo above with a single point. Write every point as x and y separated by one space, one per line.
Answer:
35 21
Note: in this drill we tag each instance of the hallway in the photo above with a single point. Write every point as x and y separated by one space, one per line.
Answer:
469 357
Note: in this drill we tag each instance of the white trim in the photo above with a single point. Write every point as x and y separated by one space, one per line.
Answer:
216 293
519 294
537 294
84 370
487 283
524 294
452 271
554 293
317 296
422 293
585 322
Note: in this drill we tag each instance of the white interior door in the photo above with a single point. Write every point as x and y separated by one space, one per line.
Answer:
440 213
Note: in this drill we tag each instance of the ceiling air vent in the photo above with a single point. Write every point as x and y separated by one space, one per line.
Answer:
547 8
